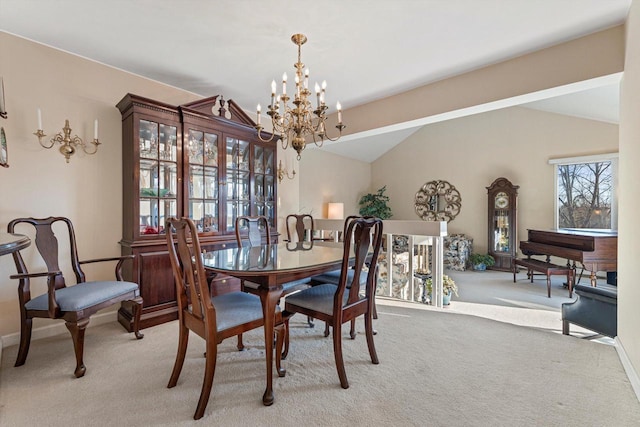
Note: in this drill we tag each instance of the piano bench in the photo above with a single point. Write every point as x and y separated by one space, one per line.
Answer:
546 268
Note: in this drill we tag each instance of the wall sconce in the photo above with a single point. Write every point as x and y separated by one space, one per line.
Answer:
282 172
69 144
335 211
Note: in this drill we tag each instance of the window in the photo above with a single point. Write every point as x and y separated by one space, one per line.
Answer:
586 192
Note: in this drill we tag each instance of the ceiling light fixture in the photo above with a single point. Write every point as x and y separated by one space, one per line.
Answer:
296 122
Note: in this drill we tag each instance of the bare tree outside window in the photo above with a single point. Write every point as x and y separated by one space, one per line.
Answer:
585 195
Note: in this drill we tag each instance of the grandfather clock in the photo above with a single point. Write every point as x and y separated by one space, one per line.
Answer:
502 227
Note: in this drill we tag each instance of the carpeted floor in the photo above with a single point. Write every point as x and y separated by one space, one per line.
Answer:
437 368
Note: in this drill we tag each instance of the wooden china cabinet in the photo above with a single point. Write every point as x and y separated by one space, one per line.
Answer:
200 160
503 196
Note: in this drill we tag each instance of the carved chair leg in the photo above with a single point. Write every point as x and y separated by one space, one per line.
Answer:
326 329
337 353
352 332
207 384
240 345
368 326
285 352
77 334
137 311
310 322
183 340
280 339
25 341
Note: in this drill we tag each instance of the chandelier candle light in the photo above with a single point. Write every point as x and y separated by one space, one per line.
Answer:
296 122
68 144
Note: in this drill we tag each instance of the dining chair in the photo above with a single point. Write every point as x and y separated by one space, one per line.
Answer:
339 304
211 318
333 277
254 238
253 226
300 226
76 303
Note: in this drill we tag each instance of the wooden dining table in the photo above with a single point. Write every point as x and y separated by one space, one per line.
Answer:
270 266
10 242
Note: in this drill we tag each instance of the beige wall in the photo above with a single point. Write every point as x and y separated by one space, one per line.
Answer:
629 240
38 182
471 152
327 177
288 189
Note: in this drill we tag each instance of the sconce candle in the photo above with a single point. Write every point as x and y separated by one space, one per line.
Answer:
95 130
3 111
39 119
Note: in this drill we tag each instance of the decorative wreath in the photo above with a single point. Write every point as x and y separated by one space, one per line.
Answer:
429 200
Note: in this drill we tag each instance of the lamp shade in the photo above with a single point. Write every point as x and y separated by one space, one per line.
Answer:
335 211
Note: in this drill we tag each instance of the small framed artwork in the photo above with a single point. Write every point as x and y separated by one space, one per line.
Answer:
3 149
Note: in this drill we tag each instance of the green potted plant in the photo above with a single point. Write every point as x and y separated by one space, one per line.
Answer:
480 262
449 288
375 204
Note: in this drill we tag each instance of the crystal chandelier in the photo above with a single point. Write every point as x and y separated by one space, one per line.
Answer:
295 122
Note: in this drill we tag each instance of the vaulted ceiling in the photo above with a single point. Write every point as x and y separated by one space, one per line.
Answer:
364 49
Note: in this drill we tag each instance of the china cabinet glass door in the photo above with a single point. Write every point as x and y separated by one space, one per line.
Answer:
238 180
264 183
158 175
203 195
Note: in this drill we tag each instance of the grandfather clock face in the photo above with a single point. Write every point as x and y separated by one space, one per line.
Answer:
502 200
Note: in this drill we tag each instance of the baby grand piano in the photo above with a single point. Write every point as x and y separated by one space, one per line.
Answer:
595 250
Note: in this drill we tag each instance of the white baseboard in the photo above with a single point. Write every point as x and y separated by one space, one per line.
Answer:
53 329
634 379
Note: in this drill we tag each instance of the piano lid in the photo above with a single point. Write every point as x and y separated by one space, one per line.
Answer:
583 240
590 232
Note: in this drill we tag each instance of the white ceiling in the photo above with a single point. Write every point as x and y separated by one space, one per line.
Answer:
364 49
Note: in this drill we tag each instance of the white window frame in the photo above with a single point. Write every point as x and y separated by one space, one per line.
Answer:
608 157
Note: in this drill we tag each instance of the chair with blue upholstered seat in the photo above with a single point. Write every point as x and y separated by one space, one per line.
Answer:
254 228
249 231
75 304
345 302
333 277
212 318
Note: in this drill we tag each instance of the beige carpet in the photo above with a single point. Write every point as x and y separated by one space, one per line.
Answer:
437 368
